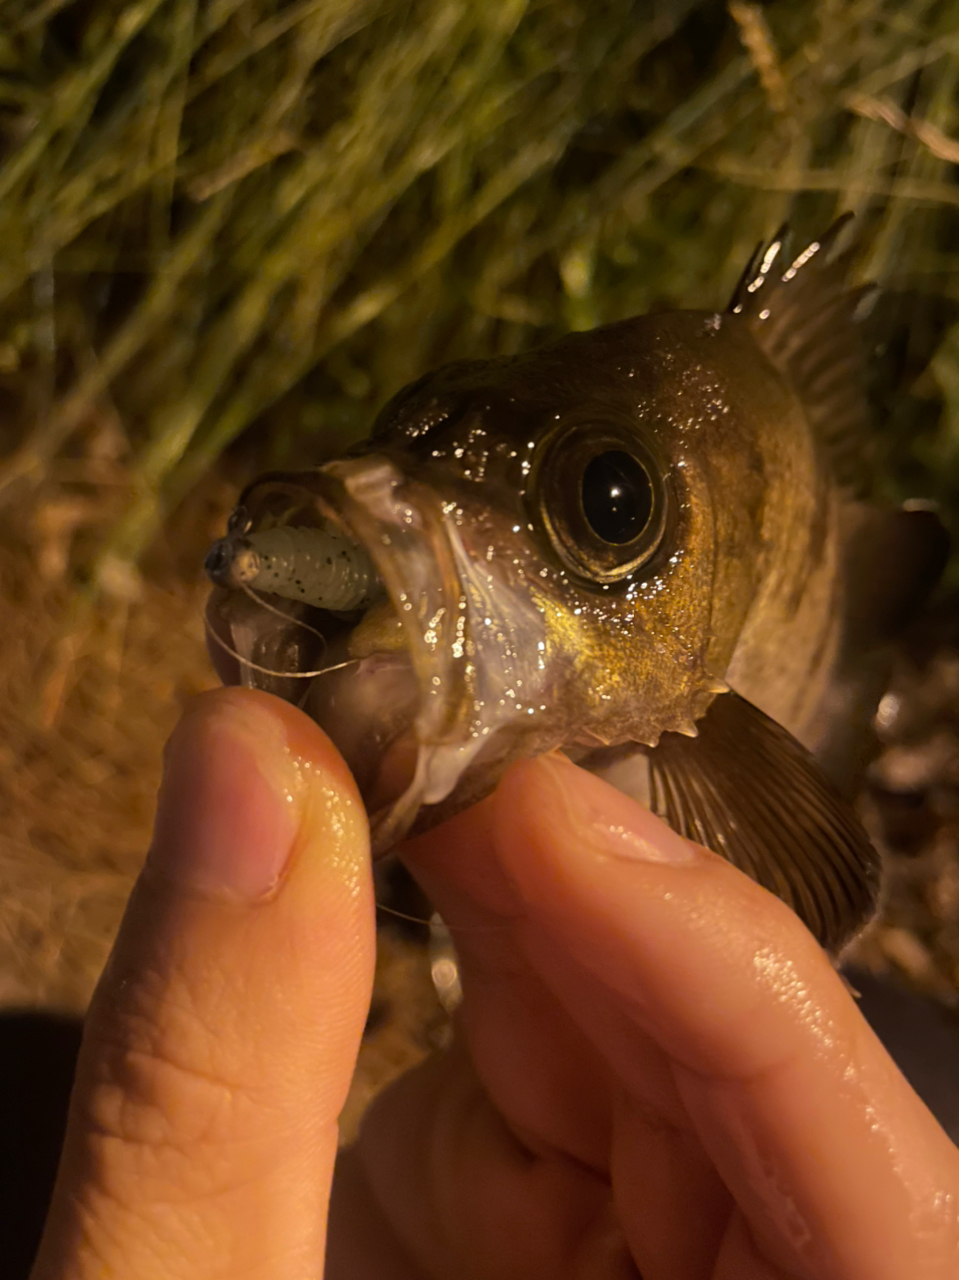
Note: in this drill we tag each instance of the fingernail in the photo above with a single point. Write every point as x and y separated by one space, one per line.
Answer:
611 822
228 806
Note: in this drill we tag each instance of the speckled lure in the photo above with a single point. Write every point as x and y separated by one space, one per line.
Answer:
318 566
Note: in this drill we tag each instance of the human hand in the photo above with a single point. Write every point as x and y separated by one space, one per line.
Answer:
658 1073
656 1069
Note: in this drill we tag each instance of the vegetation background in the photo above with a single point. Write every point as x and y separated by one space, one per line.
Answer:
230 229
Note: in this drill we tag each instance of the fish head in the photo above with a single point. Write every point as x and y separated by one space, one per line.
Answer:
567 544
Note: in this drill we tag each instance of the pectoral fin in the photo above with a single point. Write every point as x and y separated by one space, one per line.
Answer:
746 789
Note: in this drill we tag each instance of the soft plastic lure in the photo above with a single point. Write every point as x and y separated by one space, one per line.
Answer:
317 566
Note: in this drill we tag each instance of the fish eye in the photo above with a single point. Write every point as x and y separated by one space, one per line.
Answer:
617 496
599 494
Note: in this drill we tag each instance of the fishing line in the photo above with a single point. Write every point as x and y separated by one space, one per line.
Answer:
268 671
284 617
431 922
401 915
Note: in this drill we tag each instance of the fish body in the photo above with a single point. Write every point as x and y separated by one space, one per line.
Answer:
635 545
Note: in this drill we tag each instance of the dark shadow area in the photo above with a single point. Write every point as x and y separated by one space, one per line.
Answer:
37 1057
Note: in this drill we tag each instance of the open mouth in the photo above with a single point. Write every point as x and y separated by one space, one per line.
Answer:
380 608
302 610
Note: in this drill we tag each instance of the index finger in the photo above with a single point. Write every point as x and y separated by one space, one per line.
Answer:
838 1166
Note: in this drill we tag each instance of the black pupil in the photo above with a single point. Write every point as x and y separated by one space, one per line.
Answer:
617 496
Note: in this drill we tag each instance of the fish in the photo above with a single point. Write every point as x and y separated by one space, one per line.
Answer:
648 546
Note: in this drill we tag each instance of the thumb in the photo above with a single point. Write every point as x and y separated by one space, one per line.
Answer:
222 1037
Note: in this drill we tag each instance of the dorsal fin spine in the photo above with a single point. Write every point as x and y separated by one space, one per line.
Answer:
804 318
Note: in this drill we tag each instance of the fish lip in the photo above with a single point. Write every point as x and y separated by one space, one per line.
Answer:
400 524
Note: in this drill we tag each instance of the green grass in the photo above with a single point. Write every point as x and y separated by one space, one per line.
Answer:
254 217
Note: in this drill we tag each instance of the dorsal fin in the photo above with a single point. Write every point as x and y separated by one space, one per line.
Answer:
804 318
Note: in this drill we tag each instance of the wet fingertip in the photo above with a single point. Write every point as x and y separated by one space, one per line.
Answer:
304 739
518 801
244 775
566 803
227 815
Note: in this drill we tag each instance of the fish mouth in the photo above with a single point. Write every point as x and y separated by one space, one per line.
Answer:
427 690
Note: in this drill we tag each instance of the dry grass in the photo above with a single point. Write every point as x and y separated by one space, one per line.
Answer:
249 221
84 717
